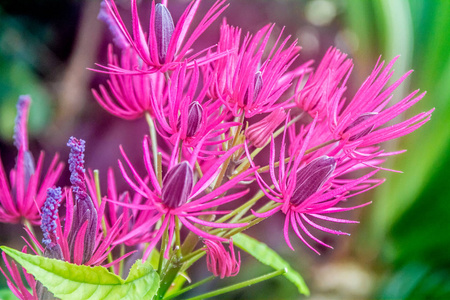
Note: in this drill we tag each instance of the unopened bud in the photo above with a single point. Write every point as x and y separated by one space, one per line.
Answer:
260 132
194 121
163 30
311 177
358 121
177 185
258 83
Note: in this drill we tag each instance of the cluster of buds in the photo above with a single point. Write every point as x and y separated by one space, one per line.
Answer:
210 114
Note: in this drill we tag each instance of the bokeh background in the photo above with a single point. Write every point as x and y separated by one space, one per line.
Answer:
401 248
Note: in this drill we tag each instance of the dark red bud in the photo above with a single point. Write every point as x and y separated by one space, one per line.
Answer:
358 121
194 121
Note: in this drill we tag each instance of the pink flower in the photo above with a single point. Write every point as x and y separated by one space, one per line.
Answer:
309 189
166 44
358 124
129 96
219 261
322 84
247 82
259 133
179 197
21 200
182 114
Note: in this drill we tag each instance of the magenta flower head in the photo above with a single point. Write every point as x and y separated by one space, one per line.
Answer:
179 197
259 133
128 96
166 44
20 201
307 189
219 261
245 81
184 113
357 125
323 83
84 213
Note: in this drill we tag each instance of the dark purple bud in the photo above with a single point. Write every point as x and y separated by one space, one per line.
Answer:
163 30
177 185
258 83
358 121
194 122
84 209
311 177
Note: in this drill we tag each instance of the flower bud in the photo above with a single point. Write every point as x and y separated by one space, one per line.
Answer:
194 121
177 185
163 30
358 121
311 177
259 133
258 83
220 262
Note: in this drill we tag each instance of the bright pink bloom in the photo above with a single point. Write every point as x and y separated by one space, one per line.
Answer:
165 45
178 196
358 124
182 114
220 262
27 192
310 189
245 81
259 133
322 84
130 95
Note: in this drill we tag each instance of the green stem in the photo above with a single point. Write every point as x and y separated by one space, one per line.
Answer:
163 247
151 126
192 286
177 238
28 225
239 285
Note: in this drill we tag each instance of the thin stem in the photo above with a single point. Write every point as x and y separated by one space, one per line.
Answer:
28 225
177 238
188 288
99 197
153 138
163 247
239 285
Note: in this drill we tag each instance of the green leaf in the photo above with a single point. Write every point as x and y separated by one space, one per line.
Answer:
269 257
70 281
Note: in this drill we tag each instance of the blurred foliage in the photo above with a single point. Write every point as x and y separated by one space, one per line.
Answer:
18 77
411 210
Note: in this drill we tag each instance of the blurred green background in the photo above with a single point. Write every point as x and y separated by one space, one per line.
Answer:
400 250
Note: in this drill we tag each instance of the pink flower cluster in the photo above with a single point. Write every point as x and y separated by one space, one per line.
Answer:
323 147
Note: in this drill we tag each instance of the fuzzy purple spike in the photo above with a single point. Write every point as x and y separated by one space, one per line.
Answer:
163 30
84 209
21 136
358 121
49 216
194 122
177 185
311 177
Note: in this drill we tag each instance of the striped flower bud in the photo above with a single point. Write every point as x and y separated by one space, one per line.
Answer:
311 178
163 30
177 185
358 121
258 83
194 122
